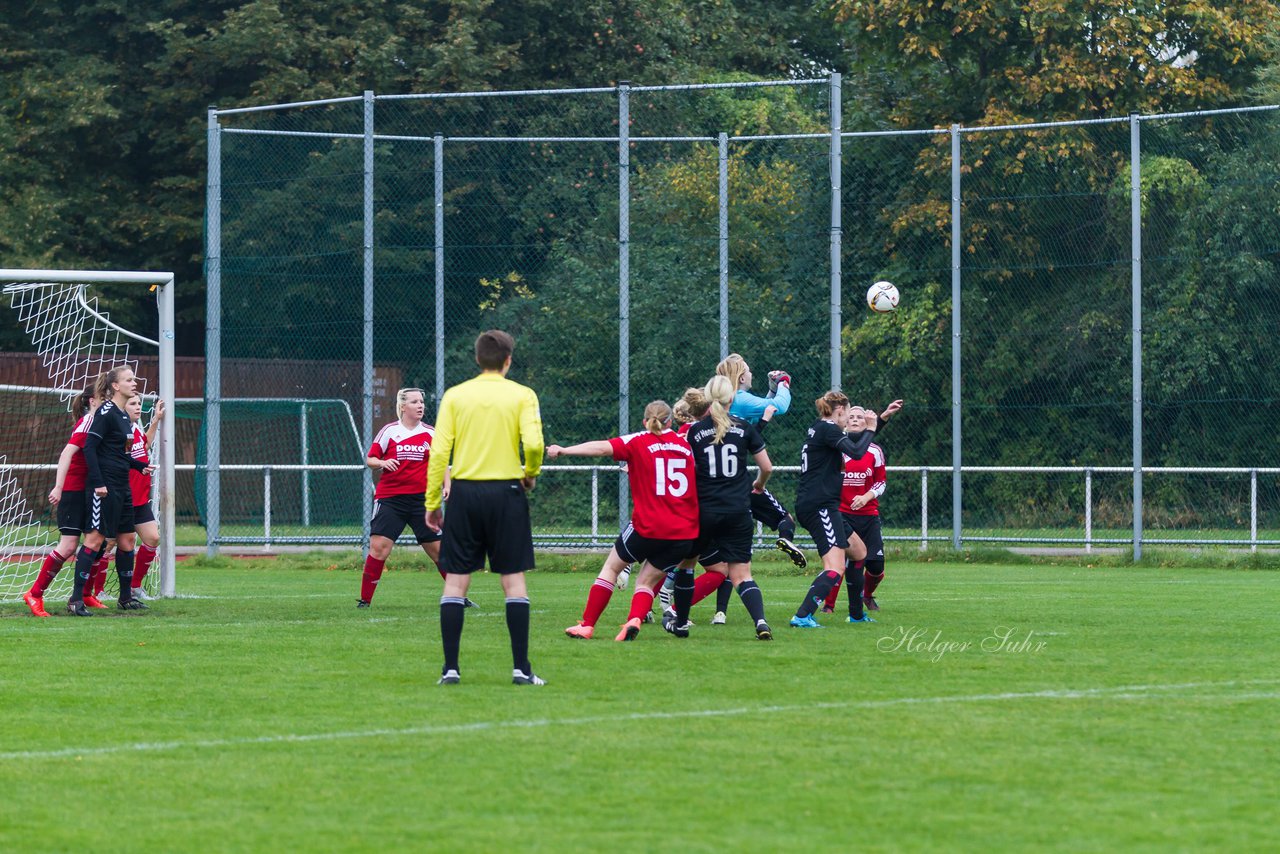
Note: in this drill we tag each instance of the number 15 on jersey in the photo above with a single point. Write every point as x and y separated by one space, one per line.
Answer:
671 479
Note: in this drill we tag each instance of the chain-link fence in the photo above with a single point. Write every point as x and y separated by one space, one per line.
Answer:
631 236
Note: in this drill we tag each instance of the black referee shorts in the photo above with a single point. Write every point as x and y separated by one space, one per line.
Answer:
393 513
110 514
487 518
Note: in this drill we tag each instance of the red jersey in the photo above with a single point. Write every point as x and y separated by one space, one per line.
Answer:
683 430
77 471
139 483
412 447
863 475
664 491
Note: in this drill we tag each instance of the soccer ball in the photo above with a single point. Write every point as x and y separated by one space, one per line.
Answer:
882 297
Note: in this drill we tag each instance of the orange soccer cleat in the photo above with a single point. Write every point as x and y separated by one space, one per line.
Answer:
35 603
92 602
630 629
581 630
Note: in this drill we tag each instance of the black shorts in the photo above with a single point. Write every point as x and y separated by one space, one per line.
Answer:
826 525
868 529
393 513
767 509
725 537
487 517
109 514
662 554
71 515
142 513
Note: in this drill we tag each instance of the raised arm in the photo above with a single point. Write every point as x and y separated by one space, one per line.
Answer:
856 444
749 407
598 448
156 415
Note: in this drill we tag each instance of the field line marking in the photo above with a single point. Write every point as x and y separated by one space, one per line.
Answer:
1121 692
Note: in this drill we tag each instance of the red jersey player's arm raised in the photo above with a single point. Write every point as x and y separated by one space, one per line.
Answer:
598 448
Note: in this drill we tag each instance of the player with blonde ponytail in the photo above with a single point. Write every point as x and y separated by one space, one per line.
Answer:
401 455
664 518
722 445
758 411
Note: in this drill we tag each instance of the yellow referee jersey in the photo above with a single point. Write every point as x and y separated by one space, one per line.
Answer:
481 425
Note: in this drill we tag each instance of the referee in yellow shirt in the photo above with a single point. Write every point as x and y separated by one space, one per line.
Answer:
480 428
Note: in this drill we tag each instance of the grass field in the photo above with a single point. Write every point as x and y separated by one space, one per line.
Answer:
1128 708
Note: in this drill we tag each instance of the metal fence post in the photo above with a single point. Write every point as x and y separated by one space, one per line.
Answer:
306 460
367 476
1088 510
1253 510
957 458
266 508
924 509
213 341
837 228
439 243
624 278
724 245
1135 213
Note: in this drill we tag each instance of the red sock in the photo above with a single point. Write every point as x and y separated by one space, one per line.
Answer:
834 595
597 600
657 585
641 604
706 584
146 555
100 574
372 572
52 563
870 583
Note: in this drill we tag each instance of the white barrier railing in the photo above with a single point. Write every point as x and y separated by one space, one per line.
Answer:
598 539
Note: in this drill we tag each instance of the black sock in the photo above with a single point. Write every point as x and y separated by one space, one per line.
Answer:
753 599
124 571
817 593
518 628
853 584
787 528
723 592
452 610
85 559
682 596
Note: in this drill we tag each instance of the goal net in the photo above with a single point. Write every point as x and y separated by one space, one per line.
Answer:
72 340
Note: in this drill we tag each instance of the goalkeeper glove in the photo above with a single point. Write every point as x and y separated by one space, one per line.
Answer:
777 378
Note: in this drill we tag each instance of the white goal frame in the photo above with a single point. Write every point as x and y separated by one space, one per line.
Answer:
164 286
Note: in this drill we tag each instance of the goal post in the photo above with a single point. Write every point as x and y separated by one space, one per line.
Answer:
73 339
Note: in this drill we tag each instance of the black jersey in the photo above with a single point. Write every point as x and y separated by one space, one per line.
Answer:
107 446
822 463
724 484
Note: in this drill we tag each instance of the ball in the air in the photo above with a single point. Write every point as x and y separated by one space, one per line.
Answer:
882 297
